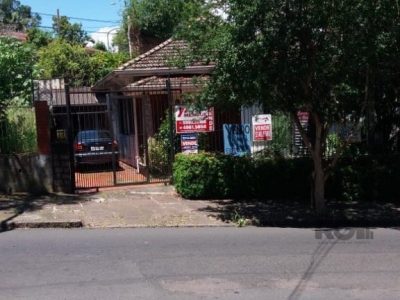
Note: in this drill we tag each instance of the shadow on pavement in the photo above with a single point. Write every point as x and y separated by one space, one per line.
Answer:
286 213
11 206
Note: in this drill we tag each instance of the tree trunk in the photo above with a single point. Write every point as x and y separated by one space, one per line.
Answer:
319 185
319 173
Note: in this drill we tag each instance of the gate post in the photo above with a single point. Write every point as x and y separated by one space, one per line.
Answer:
111 126
70 139
171 124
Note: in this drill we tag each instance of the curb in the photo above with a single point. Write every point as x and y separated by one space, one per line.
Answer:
141 226
45 224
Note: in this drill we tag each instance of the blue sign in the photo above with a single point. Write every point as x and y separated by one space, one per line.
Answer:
237 139
189 143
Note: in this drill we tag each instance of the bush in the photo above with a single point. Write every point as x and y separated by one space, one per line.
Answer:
367 178
364 178
200 176
208 175
18 131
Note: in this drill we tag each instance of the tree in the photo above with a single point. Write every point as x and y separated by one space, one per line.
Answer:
100 46
73 62
39 38
16 67
20 16
70 32
321 56
156 19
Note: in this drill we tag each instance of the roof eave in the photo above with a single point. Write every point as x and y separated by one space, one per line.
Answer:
139 73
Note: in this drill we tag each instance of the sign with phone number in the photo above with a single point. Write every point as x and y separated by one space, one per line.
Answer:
187 121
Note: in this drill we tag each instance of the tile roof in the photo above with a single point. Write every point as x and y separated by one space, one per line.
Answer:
159 62
160 82
161 56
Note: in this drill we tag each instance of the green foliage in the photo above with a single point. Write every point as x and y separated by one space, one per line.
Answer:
160 148
18 131
63 60
71 61
281 139
39 38
157 18
362 178
200 176
219 176
100 46
16 61
70 32
337 60
158 157
20 16
367 178
101 63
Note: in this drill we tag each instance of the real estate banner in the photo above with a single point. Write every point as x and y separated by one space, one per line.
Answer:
237 139
190 121
189 143
262 127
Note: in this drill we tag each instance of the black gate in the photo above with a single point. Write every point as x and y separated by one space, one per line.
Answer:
116 137
121 137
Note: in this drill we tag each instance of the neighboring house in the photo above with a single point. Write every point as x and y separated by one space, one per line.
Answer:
9 31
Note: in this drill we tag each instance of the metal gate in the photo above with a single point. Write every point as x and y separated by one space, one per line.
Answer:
120 137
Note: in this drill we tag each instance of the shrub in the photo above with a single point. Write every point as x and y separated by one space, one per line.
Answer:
200 176
363 178
208 175
18 131
367 178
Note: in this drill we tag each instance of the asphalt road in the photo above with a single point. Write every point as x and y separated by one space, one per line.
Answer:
199 263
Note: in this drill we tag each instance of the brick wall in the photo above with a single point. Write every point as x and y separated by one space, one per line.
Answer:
42 127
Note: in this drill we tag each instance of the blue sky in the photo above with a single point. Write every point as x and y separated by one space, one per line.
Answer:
107 10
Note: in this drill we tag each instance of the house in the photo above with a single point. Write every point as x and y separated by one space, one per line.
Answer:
10 31
132 102
142 90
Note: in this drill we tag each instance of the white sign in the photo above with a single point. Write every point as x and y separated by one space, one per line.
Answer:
262 127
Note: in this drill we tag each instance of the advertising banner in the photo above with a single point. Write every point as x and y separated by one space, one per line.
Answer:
189 143
262 128
237 139
190 121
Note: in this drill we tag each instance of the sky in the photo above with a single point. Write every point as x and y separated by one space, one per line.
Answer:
108 11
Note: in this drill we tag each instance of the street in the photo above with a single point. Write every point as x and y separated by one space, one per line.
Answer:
199 263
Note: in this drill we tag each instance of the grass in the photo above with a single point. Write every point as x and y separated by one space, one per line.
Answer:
18 131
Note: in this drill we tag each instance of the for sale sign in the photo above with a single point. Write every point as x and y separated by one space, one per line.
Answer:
262 128
189 143
190 121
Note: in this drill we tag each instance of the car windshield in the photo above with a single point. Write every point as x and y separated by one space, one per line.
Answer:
93 135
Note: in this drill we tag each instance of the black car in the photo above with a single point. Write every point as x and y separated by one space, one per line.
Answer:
95 147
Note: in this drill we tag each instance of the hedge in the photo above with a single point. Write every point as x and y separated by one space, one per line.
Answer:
208 175
216 176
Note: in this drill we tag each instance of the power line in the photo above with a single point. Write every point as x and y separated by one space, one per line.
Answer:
88 31
81 19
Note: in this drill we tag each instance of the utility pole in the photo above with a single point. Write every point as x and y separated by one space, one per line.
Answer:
130 36
58 22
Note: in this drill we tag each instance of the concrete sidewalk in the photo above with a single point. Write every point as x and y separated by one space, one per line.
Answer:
137 206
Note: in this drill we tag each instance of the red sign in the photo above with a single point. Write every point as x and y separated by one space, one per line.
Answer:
262 128
193 121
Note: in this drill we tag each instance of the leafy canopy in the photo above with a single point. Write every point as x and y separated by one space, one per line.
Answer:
70 32
158 19
16 61
73 62
20 16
